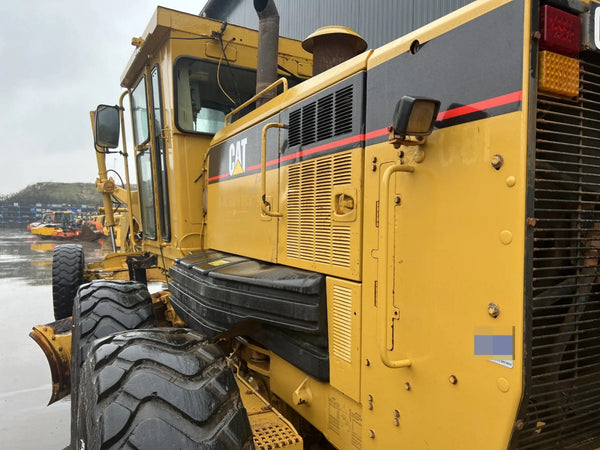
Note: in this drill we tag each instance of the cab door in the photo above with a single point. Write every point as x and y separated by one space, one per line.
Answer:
144 163
160 156
151 157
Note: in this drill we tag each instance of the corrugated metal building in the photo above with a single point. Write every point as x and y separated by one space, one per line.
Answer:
377 21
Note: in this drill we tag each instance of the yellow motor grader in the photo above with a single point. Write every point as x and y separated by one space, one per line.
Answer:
358 248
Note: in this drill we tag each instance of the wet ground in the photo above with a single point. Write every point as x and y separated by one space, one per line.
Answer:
25 383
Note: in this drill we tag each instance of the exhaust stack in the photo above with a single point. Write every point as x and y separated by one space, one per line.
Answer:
268 47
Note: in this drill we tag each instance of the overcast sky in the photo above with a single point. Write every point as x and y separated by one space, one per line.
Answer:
60 59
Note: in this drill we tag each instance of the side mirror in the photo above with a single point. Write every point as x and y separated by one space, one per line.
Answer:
415 116
107 126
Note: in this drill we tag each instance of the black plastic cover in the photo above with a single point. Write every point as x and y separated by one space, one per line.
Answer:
281 307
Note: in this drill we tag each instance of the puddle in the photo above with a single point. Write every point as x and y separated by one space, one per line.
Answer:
25 383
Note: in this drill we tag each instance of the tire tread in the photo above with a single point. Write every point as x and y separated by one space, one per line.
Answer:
192 401
67 276
100 309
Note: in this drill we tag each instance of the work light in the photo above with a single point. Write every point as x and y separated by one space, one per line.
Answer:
415 116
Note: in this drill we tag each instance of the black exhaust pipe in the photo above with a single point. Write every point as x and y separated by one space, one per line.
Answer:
268 46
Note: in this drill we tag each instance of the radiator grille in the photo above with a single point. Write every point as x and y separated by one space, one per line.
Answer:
310 233
563 386
327 117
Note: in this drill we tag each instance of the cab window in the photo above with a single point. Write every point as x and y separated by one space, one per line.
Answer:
205 92
146 189
139 113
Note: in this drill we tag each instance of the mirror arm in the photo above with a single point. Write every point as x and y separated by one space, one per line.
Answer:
101 181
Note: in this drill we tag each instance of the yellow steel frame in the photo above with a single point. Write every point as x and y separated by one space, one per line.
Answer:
414 362
406 374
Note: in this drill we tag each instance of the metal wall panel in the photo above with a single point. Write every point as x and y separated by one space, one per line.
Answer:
378 21
383 21
429 10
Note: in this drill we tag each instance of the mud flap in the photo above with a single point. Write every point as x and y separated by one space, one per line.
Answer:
55 340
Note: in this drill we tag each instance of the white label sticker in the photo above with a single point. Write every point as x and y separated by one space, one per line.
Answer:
504 362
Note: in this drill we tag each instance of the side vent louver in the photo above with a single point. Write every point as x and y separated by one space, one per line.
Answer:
295 127
311 236
341 341
325 109
343 111
309 120
322 119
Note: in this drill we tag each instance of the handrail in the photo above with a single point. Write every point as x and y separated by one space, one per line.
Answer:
264 205
257 96
126 167
384 306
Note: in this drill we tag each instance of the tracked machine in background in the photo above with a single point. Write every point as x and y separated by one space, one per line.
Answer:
398 251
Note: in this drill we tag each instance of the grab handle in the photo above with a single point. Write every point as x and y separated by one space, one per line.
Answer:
383 308
264 204
282 81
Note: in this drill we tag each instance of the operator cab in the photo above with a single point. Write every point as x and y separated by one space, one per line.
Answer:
186 75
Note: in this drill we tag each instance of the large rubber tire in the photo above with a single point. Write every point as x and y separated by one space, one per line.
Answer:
166 388
100 309
67 275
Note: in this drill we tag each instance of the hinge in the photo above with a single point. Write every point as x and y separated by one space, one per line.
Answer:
377 214
167 136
